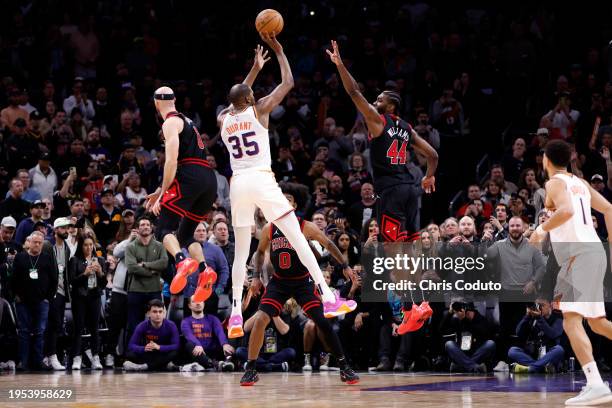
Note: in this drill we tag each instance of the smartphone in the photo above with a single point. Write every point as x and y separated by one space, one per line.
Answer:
73 170
132 169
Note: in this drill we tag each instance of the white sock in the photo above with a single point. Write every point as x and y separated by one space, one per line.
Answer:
243 245
592 373
291 229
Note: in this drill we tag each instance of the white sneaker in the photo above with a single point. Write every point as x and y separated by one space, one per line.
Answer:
95 363
129 366
324 362
285 366
188 367
45 362
10 365
502 366
592 395
89 355
77 362
54 363
109 361
307 365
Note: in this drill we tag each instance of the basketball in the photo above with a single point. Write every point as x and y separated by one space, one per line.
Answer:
269 21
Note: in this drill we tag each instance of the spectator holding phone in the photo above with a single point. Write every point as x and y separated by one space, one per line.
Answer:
561 120
88 280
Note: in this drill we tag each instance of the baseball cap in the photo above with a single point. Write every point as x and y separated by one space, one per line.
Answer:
542 131
37 203
45 156
9 222
62 222
597 177
107 191
127 211
107 178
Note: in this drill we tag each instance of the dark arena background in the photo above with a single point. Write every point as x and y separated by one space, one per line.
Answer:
486 84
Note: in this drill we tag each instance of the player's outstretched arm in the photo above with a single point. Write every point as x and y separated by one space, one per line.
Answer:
421 146
259 60
260 254
373 120
267 103
312 232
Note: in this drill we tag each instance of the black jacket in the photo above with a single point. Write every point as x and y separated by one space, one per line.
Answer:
49 247
36 290
76 268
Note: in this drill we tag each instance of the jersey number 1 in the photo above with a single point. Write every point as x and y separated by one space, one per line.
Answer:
251 146
397 156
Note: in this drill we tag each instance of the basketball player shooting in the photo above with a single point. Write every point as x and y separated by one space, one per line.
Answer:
390 138
583 261
244 130
187 193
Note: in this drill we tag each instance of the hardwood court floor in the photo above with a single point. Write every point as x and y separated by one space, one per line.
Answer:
187 390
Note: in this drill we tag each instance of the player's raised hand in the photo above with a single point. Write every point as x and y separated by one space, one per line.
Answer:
335 55
270 39
261 57
151 201
429 184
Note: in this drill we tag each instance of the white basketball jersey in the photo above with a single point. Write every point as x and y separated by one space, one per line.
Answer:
247 141
580 227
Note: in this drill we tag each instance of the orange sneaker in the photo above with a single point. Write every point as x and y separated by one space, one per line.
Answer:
183 269
207 279
415 319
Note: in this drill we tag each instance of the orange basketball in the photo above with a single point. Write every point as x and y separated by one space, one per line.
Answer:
269 21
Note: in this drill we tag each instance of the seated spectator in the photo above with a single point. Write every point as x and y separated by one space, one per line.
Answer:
472 344
357 175
130 196
362 210
514 161
500 221
155 342
206 342
221 239
474 193
275 354
497 174
475 210
107 219
494 193
520 208
561 120
539 333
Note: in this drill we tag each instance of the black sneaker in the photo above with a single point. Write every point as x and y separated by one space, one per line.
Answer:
249 378
349 376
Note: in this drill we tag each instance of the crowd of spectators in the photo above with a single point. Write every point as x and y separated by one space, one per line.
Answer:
85 283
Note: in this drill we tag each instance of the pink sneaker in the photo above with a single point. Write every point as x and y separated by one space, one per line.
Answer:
340 307
234 327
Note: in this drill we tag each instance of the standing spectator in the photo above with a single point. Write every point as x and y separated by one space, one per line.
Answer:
128 224
529 181
146 259
8 249
79 100
107 219
362 210
57 305
26 226
44 179
221 239
472 345
522 268
34 285
14 205
358 174
514 162
223 199
132 195
540 333
205 340
155 342
119 299
88 281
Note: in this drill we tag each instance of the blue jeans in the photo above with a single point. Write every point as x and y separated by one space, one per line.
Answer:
552 356
31 323
268 362
470 362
